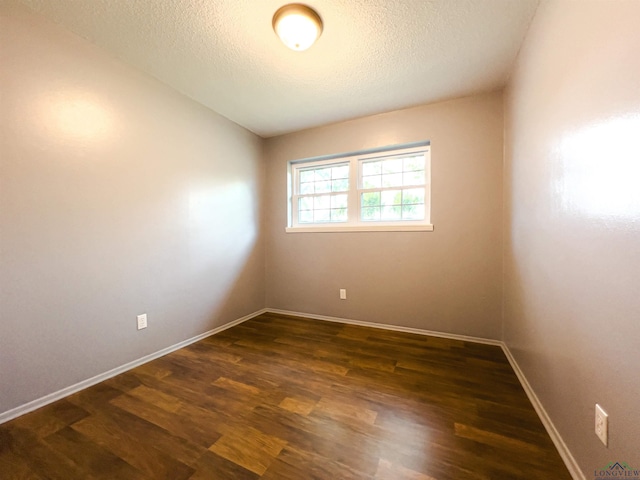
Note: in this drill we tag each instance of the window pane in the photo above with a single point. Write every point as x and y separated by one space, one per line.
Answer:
392 180
306 175
305 203
370 199
391 197
338 201
392 166
323 187
414 163
413 195
374 181
370 214
340 172
413 212
392 187
414 178
340 185
391 213
322 215
323 174
305 216
323 201
306 188
371 168
339 215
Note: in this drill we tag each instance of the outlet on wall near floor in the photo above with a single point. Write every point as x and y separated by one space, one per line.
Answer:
602 425
343 294
142 321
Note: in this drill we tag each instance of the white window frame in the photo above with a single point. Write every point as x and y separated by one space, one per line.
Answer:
354 224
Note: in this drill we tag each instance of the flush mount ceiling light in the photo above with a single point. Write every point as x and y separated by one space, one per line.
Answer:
298 26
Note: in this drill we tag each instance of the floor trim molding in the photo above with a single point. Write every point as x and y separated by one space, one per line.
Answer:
563 450
557 440
385 326
65 392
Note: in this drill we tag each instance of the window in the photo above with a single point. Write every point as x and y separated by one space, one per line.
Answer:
387 190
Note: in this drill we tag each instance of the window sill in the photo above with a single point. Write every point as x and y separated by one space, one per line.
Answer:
362 228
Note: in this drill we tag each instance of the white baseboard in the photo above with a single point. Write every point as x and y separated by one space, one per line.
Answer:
385 326
562 448
65 392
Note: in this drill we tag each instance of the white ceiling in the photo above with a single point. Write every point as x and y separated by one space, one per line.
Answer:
373 56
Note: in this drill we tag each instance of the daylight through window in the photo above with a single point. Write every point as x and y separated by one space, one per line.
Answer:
370 191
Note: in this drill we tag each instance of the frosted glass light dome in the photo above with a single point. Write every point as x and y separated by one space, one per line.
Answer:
298 26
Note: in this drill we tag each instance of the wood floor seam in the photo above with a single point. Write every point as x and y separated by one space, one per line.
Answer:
278 397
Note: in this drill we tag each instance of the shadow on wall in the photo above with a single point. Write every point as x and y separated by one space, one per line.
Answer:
222 229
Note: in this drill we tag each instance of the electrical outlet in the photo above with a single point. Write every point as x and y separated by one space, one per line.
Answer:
142 321
343 294
602 425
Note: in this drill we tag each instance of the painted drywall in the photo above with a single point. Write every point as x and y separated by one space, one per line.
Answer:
118 196
373 55
572 222
447 280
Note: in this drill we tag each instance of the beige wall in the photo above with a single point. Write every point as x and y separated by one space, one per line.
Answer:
447 280
118 196
572 222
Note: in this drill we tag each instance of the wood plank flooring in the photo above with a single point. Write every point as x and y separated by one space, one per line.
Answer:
285 398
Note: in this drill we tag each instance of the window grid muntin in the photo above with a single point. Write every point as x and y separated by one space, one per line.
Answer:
403 207
421 212
332 181
397 168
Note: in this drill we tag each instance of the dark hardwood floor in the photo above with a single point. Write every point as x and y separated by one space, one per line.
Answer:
294 399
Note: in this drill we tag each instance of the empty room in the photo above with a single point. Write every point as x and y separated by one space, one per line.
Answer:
368 240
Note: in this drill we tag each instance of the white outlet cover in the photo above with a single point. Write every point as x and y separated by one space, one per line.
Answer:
343 293
142 321
602 425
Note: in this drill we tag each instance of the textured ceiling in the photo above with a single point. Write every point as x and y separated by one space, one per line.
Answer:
373 56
